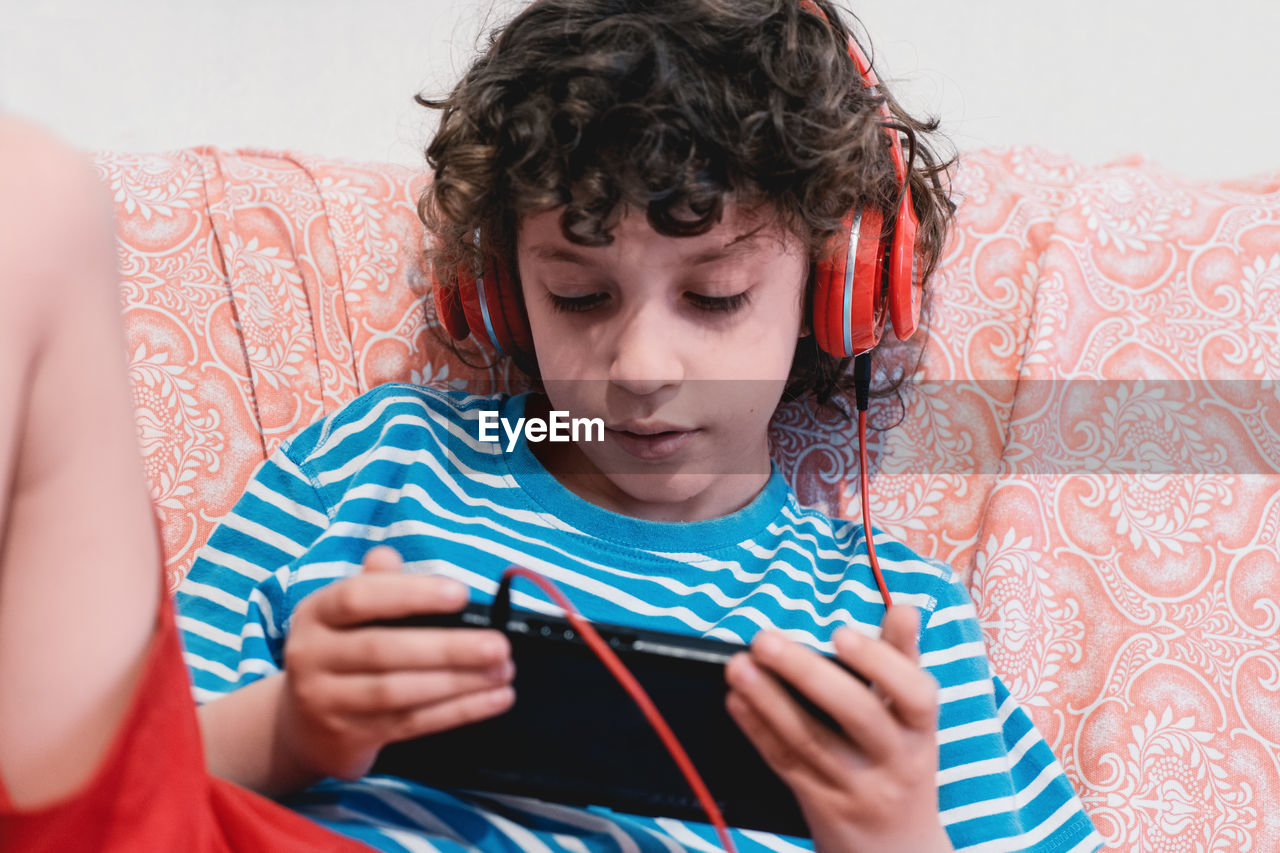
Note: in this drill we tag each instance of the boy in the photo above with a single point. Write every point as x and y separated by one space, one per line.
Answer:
650 185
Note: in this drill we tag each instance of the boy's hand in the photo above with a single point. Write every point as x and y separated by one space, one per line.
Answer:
351 688
873 784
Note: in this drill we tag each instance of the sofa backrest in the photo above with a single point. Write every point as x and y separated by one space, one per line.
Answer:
1092 436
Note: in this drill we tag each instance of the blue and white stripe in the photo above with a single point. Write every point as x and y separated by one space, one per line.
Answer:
403 465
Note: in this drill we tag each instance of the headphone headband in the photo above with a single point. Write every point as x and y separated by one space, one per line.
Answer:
868 276
898 258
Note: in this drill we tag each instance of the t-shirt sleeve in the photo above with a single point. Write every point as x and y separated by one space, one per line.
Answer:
234 603
1000 787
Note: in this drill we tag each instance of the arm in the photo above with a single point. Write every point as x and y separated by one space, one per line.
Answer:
242 746
296 685
79 559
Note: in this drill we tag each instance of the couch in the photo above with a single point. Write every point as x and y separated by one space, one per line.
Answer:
1091 436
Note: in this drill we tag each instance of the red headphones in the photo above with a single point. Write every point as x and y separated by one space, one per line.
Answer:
849 300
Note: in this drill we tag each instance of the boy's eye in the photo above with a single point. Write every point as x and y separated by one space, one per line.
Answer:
702 302
576 303
719 304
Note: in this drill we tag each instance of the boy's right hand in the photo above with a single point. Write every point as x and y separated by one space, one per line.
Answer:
351 688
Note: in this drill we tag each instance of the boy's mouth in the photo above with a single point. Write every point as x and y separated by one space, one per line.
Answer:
646 428
651 442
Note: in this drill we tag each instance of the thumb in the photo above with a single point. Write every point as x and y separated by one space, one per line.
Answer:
899 628
382 558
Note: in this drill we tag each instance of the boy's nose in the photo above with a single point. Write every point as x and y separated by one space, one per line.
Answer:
645 355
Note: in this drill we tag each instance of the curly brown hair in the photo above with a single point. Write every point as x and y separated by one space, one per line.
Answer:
673 107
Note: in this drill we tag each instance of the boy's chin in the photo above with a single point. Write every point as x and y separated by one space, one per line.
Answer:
676 496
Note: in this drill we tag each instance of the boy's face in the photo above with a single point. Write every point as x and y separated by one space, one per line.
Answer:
682 346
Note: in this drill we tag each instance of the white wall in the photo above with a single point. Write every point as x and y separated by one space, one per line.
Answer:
1192 87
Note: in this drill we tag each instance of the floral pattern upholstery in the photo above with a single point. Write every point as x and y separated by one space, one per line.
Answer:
1092 436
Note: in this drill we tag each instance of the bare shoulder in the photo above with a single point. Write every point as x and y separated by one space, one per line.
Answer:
55 216
34 157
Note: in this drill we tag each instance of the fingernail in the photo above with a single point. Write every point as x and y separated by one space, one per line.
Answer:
501 672
502 697
455 592
744 671
848 637
493 647
768 646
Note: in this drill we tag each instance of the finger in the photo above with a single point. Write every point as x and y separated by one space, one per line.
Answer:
373 650
900 628
364 693
910 692
860 714
385 595
450 713
788 737
771 748
382 558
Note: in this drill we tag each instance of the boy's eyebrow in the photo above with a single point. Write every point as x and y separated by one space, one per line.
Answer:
736 248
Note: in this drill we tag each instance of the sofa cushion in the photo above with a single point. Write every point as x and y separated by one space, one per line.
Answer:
1092 434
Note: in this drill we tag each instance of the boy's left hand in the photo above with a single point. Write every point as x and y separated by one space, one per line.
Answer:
873 784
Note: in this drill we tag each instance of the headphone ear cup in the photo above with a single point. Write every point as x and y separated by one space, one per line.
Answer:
449 306
827 294
507 312
865 317
490 305
468 295
848 314
904 296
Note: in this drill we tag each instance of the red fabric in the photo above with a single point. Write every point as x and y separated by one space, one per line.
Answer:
151 791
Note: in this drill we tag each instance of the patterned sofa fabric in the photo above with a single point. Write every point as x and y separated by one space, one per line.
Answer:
1092 434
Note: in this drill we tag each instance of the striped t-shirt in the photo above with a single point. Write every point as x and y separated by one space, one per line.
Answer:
403 465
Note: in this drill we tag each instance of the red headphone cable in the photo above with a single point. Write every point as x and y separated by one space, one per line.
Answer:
628 682
502 602
862 394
